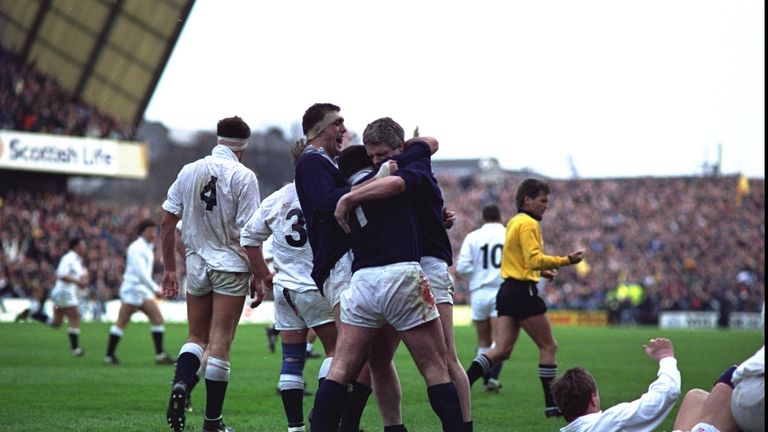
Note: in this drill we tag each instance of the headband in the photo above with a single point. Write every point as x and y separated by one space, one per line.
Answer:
234 144
329 118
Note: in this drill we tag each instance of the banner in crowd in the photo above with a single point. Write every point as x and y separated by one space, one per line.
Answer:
72 155
570 318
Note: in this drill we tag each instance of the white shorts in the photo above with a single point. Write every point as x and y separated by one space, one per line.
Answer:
483 303
201 280
338 279
397 294
439 279
296 310
64 298
748 403
135 295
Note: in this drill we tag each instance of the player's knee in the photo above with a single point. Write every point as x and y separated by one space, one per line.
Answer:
294 356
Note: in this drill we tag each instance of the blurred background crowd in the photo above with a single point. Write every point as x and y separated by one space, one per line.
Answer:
651 244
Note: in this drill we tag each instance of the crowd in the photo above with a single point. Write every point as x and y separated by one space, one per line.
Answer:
690 243
35 102
34 233
685 241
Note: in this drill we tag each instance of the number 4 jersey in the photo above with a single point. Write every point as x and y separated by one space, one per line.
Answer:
280 216
215 197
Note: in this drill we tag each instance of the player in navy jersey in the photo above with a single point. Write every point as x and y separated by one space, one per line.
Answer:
319 185
387 287
436 251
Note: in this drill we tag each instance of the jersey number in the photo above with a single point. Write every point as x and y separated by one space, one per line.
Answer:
494 256
298 228
208 194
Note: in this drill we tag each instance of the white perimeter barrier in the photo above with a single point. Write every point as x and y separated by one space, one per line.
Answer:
173 311
709 319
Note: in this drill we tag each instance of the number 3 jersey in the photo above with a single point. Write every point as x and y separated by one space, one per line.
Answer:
280 215
215 197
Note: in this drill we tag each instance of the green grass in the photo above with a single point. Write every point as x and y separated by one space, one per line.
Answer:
43 388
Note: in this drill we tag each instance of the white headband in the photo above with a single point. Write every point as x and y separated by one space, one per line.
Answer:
234 144
320 126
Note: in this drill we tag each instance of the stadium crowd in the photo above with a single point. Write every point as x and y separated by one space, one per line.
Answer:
34 102
689 243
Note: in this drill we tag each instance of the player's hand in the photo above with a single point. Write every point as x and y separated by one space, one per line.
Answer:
659 348
449 217
170 284
257 292
386 169
575 257
549 274
82 282
341 213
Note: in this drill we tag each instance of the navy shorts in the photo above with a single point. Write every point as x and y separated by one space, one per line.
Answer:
519 299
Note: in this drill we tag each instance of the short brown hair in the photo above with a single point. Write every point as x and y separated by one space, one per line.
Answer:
529 188
315 113
573 392
233 127
384 130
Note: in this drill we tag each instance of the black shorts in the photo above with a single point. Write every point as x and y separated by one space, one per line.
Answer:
519 299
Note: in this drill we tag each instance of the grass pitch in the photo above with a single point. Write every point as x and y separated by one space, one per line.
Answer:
44 388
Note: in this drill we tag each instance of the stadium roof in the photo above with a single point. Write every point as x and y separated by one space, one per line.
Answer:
108 53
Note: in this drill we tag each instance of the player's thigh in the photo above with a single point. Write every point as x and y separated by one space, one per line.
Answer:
427 347
483 329
124 314
539 329
352 347
152 310
199 314
507 332
446 322
223 323
384 347
328 334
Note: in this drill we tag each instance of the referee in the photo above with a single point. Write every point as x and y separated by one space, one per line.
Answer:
518 302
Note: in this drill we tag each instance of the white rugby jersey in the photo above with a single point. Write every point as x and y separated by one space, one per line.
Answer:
280 216
139 261
644 414
70 265
481 254
215 196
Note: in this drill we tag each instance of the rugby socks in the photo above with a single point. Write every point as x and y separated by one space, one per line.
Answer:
325 367
353 411
330 399
115 333
395 428
188 363
483 350
444 400
494 373
74 336
547 374
291 383
158 331
726 377
468 427
480 366
216 381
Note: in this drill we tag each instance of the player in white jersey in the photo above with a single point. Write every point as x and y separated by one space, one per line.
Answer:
138 292
71 275
215 196
299 305
480 261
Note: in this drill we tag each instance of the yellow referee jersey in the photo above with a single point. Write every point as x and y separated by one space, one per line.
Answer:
523 258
